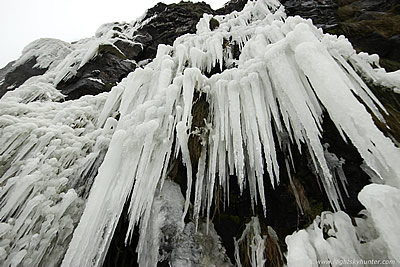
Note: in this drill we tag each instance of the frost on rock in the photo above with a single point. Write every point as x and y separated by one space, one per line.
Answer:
268 80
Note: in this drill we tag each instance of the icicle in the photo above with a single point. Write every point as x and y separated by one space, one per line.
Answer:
78 253
182 54
234 118
199 189
320 68
49 144
183 142
335 165
189 83
197 58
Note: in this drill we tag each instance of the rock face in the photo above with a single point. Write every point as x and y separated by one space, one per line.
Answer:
98 75
323 13
167 23
5 70
372 26
12 77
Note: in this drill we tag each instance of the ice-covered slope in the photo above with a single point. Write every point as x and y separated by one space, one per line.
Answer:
269 81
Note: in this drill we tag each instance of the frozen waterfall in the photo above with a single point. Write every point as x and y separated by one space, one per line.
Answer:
68 168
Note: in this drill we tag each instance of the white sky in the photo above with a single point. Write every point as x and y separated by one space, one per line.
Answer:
23 21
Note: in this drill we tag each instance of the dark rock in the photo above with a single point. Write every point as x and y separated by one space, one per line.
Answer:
16 76
110 49
130 50
174 20
170 22
213 24
370 25
97 76
374 43
143 38
5 70
374 5
322 12
229 7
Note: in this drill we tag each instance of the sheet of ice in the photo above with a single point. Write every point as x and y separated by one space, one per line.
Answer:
48 150
164 226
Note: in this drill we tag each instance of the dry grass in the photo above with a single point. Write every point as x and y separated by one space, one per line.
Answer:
273 252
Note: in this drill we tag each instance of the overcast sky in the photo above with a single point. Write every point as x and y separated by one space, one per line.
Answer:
22 21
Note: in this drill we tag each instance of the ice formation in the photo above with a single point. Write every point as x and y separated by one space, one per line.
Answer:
288 74
49 154
334 240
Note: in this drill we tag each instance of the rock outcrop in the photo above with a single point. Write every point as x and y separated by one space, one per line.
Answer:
13 77
371 26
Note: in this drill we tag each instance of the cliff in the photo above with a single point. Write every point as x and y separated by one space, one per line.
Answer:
194 137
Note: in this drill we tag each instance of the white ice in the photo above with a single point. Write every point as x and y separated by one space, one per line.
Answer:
272 97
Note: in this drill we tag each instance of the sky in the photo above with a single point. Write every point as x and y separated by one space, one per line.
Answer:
23 21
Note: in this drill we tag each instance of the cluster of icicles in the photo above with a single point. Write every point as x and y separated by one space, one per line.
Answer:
287 75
